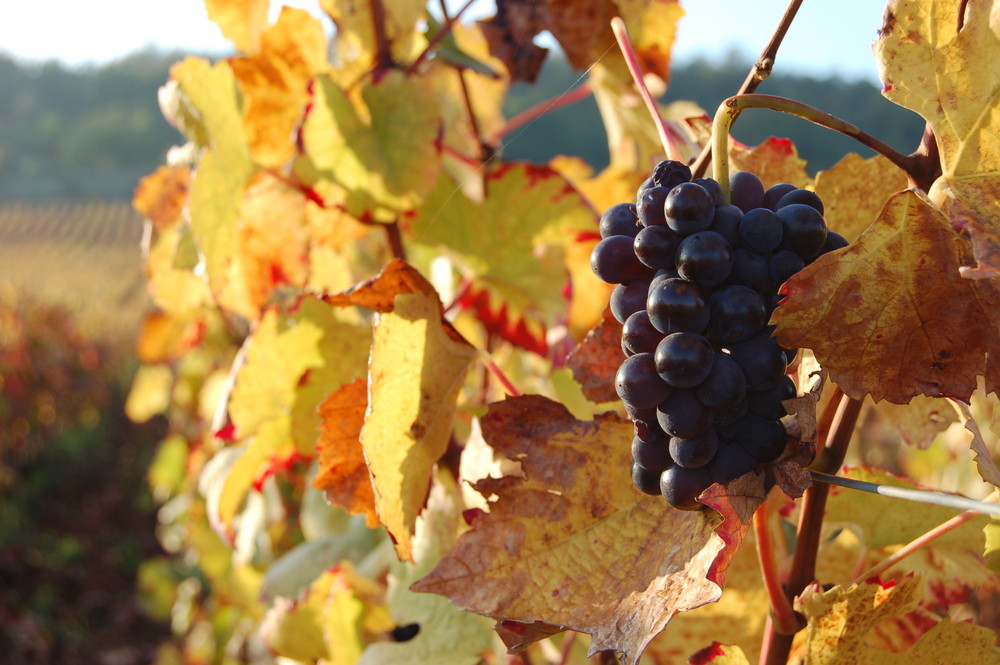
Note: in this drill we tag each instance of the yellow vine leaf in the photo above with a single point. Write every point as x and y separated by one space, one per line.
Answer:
854 190
840 620
276 83
416 368
379 152
355 42
172 283
161 196
897 319
565 546
241 21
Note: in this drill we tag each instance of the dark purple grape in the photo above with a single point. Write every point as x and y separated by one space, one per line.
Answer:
713 188
613 261
654 455
751 270
746 191
696 452
728 415
775 192
656 247
646 184
688 209
670 173
661 276
800 196
761 230
736 313
783 265
645 480
767 403
681 487
730 463
639 335
726 222
635 413
683 415
684 359
761 360
804 230
620 219
834 241
725 386
629 298
650 431
704 258
677 305
649 206
638 384
761 438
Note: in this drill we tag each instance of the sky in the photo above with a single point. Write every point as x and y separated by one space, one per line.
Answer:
826 38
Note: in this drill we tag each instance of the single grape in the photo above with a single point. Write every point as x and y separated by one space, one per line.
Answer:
677 305
775 192
638 383
746 191
650 431
704 258
730 463
629 298
684 359
681 487
800 196
783 265
751 269
613 261
767 403
645 480
635 413
713 188
725 386
639 335
761 360
804 229
656 247
661 276
683 415
728 415
696 452
646 184
654 456
726 222
670 173
834 241
649 206
688 209
761 438
761 230
736 313
620 219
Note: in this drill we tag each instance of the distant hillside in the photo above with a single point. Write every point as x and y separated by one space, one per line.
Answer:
89 134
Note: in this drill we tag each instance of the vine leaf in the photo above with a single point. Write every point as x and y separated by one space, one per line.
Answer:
567 545
854 190
275 82
162 195
719 654
890 315
984 458
343 472
241 22
840 620
378 153
513 250
356 44
417 365
595 361
773 161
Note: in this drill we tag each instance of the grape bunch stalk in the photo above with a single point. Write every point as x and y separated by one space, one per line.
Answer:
703 380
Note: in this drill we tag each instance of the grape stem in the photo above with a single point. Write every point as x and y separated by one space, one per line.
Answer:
443 32
498 374
782 614
669 143
538 110
383 49
731 108
760 71
395 241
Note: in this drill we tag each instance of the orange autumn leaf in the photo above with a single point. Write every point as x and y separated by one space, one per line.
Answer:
595 361
276 84
162 195
343 473
572 543
241 21
897 319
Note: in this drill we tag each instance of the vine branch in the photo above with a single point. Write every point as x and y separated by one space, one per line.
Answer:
383 49
442 32
761 70
782 614
538 110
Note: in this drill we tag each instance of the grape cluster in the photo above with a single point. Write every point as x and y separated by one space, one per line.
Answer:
703 379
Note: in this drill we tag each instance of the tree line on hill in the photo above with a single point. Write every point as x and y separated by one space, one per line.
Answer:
91 133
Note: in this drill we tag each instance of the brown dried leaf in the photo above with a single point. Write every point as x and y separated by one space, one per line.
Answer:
595 360
569 545
890 314
343 472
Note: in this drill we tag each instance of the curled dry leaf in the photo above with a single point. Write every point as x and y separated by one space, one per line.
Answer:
595 361
984 458
573 544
